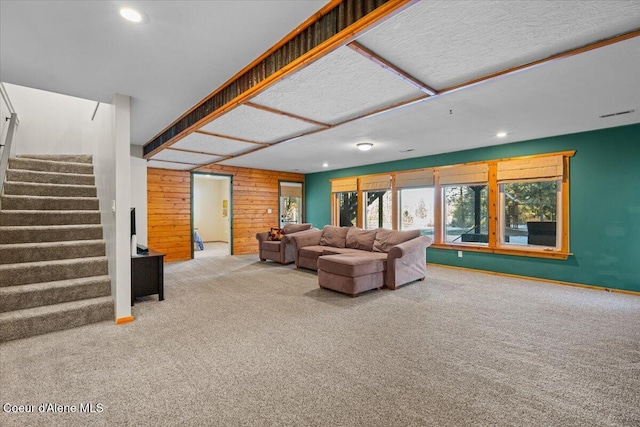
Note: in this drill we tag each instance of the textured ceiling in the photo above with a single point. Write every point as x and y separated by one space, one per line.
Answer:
444 43
189 48
561 97
171 155
257 125
342 85
186 50
212 144
168 165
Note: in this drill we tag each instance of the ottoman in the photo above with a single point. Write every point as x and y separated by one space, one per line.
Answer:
350 274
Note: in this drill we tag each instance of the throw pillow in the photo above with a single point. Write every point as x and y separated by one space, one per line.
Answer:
386 239
333 236
357 238
276 234
294 228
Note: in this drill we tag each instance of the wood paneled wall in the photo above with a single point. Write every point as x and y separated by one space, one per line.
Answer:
169 213
169 210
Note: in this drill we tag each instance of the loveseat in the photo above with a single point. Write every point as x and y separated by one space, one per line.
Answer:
275 245
353 260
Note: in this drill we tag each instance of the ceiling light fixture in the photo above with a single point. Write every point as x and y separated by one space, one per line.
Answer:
364 146
501 134
325 165
131 15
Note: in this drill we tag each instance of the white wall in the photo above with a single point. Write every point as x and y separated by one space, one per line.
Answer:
208 195
4 124
121 125
139 192
112 170
51 123
112 167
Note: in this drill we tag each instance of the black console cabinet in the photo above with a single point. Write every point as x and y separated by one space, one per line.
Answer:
147 275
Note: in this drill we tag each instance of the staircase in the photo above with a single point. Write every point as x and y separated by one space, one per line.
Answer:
53 268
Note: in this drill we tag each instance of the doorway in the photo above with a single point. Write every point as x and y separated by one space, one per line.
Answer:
291 203
211 215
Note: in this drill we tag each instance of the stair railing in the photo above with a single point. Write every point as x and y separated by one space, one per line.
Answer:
6 146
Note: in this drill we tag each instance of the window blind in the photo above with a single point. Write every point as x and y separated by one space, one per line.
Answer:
470 174
375 183
421 178
344 185
548 168
291 190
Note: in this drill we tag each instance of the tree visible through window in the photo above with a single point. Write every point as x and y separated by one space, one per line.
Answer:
530 213
417 210
466 213
378 212
347 208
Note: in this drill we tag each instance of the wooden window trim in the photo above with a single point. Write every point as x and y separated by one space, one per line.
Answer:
528 252
494 245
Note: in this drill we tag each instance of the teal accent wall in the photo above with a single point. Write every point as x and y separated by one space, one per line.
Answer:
604 207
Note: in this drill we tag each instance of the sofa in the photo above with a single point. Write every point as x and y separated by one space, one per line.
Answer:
279 249
352 260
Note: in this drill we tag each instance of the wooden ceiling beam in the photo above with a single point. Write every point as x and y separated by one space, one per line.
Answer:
283 113
173 161
197 152
470 83
378 60
233 138
529 65
335 25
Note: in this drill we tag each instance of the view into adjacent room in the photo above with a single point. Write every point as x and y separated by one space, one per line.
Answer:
290 203
211 212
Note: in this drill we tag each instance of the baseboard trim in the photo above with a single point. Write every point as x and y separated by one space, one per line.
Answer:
538 279
123 320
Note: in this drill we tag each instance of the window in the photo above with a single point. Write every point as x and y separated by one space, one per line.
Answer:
416 200
530 213
516 206
531 201
417 210
466 214
378 212
345 201
378 201
347 206
465 203
290 205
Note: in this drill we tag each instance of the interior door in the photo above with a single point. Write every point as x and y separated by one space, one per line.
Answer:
291 203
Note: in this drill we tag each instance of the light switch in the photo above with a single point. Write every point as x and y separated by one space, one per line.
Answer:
269 210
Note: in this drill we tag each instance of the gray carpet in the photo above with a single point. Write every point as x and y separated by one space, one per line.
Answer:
240 343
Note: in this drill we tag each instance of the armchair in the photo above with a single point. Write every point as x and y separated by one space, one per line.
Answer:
284 250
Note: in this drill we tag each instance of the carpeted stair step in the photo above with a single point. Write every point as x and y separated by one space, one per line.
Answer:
49 233
39 294
48 217
22 203
46 271
41 189
72 158
16 175
50 166
40 320
50 251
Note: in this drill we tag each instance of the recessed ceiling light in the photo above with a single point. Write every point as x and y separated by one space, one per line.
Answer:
131 15
364 146
325 165
501 134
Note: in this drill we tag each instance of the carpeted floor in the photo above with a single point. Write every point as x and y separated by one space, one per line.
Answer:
241 343
212 249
